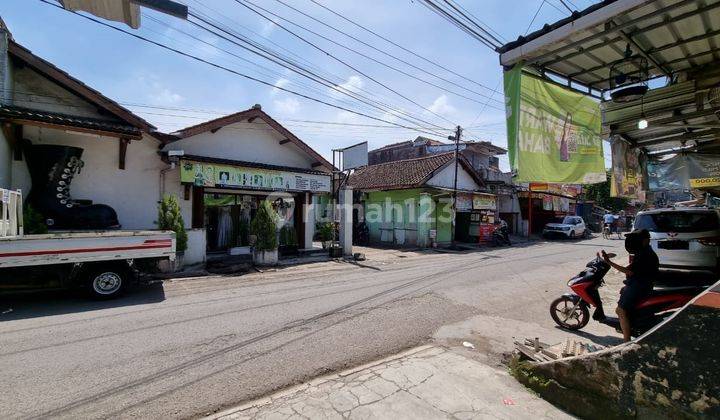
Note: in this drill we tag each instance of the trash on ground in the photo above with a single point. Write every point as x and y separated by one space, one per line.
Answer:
468 344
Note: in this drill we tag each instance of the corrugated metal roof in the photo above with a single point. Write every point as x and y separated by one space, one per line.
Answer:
676 36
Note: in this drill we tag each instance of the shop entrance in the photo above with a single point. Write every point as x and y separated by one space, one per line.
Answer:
228 215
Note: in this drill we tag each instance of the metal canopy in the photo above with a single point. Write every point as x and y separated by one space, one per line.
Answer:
680 39
674 35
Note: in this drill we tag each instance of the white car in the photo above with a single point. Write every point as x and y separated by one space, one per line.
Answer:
683 238
569 226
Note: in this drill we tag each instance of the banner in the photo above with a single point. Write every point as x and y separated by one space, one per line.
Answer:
683 172
225 176
553 132
627 178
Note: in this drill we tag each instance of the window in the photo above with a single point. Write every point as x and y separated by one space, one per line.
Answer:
679 221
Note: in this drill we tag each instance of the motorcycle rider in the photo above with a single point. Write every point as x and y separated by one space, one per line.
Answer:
640 274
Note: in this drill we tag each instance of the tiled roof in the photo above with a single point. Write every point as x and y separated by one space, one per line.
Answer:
400 174
20 113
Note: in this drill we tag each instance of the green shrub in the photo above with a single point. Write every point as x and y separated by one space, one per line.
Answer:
170 218
264 227
288 237
33 222
325 231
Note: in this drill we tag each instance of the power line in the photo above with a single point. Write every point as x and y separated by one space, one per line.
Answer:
395 44
460 10
185 54
369 46
343 62
454 20
307 73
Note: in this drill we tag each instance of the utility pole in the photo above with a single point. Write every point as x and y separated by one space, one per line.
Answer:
456 137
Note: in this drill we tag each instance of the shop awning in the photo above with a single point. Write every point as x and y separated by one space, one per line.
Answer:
678 39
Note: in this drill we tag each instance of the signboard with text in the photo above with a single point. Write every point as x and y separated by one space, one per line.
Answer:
226 176
553 133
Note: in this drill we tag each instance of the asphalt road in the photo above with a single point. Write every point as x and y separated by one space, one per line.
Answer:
193 346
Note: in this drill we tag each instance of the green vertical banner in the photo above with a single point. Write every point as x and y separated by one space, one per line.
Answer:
553 132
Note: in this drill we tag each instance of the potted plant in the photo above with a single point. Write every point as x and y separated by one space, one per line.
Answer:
170 218
264 228
325 234
288 241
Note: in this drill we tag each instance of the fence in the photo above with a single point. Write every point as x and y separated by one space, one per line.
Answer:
11 213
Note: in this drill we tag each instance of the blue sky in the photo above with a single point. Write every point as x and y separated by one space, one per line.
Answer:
172 91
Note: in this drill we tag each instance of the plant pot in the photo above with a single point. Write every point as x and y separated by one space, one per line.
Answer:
167 266
326 244
288 250
336 252
265 257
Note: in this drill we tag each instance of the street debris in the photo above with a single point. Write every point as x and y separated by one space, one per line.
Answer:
538 351
468 344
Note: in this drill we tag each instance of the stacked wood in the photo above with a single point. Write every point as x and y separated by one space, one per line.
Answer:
538 351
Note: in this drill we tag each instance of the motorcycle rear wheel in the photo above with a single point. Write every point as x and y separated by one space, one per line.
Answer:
562 312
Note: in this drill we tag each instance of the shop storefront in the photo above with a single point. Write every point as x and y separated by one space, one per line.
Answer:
546 202
226 196
475 218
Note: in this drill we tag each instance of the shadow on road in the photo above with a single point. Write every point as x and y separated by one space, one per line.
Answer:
605 340
40 304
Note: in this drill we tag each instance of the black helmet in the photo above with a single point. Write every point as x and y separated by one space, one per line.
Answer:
634 241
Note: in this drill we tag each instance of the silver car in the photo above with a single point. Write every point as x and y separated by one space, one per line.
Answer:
683 238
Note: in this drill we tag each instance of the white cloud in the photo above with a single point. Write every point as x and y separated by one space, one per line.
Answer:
167 97
353 84
441 106
267 28
281 83
286 106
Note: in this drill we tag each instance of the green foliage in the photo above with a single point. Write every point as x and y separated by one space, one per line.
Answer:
170 218
325 231
33 222
600 193
288 237
263 226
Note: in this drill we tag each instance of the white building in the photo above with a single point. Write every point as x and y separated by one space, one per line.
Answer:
126 162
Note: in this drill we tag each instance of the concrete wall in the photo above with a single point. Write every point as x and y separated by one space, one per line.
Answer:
672 371
446 177
399 218
243 141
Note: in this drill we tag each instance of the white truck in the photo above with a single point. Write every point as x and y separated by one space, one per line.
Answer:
103 263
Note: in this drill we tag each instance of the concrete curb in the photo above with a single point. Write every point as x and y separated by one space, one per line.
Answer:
315 382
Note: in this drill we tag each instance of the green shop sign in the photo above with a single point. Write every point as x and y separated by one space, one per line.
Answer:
226 176
553 133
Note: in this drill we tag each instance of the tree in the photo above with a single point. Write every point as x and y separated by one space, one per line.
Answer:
600 193
170 218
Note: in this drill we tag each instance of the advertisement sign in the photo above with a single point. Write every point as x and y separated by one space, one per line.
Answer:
464 202
355 156
225 176
553 132
683 172
484 202
627 178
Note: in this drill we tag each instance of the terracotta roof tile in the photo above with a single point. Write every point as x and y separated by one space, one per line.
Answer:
409 173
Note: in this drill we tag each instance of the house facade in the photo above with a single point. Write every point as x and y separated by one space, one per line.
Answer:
110 162
410 202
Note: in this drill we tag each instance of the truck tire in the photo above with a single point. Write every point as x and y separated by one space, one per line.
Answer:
103 283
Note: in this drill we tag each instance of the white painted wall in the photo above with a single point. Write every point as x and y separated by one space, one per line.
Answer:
133 192
445 178
243 141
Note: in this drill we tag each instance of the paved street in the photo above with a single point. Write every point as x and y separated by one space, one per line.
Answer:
194 346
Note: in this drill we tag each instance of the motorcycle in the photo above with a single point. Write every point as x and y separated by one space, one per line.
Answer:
501 236
571 311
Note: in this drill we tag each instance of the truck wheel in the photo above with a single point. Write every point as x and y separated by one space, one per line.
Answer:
106 283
